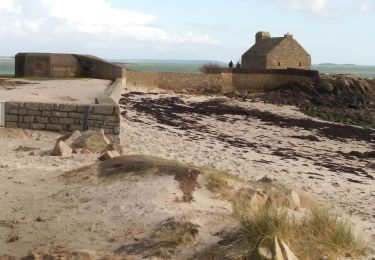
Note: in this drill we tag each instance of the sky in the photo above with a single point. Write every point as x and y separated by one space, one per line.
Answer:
336 31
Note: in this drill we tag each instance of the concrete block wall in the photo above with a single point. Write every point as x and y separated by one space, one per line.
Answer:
63 117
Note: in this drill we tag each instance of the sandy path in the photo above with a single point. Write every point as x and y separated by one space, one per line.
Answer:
307 154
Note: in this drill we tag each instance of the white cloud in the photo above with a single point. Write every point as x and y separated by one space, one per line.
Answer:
330 7
363 5
10 6
316 6
85 20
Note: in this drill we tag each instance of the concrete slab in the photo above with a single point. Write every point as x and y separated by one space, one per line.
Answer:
59 91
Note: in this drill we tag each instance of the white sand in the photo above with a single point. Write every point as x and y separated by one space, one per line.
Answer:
67 91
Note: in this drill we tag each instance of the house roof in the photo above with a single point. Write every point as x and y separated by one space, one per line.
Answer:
264 46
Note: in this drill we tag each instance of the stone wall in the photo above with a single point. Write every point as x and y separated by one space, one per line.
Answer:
63 117
179 82
229 80
262 82
188 81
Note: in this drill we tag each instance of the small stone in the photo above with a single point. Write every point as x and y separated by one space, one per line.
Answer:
34 153
265 253
289 255
62 149
13 239
108 155
115 147
266 179
294 200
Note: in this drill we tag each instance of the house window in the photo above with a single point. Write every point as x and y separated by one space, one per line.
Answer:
300 64
278 63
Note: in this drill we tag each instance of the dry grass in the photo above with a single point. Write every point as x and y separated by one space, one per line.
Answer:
317 234
222 183
172 235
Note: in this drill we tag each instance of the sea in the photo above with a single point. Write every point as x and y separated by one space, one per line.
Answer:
193 66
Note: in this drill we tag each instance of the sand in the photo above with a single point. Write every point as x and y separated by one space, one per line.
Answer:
66 91
311 159
252 140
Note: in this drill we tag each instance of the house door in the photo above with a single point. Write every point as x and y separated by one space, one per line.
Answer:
2 114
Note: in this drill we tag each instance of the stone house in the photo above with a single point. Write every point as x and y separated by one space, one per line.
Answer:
275 53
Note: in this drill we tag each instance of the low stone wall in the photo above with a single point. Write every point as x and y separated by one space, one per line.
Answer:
227 80
173 81
63 117
245 82
188 81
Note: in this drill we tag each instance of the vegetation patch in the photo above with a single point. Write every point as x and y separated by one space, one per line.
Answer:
311 235
222 183
170 236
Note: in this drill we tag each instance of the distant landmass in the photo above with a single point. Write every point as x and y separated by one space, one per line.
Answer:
335 64
6 57
193 66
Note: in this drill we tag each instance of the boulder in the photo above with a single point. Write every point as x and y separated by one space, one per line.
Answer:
109 155
93 141
62 149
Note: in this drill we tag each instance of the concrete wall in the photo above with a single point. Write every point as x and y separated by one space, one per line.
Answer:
57 65
229 80
114 91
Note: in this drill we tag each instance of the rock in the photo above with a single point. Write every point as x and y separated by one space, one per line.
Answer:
264 253
282 251
6 257
293 200
93 141
293 215
12 239
288 254
69 140
278 251
62 149
266 179
256 199
34 153
115 147
79 255
108 155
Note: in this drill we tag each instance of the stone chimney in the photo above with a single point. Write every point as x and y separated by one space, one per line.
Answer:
262 35
288 36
